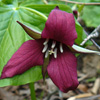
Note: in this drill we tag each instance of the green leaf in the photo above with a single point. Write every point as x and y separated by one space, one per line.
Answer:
55 2
46 9
12 35
7 1
81 35
31 75
31 2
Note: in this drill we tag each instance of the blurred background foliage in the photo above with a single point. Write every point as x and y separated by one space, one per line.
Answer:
90 14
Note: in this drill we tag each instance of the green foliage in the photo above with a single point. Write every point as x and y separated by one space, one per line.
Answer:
7 1
20 1
56 2
91 15
12 35
91 79
86 1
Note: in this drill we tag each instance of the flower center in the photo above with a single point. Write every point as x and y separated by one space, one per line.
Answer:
51 47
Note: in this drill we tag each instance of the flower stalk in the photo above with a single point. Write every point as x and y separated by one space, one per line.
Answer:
32 91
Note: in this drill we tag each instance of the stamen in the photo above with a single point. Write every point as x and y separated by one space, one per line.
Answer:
47 53
55 53
46 41
45 48
53 44
61 48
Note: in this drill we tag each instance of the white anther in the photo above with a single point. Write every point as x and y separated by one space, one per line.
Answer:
61 48
47 53
55 53
53 44
45 48
46 41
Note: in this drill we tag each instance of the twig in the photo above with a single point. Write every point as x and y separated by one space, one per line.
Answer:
86 96
82 78
96 86
45 2
96 45
89 98
60 94
81 96
50 95
80 3
95 33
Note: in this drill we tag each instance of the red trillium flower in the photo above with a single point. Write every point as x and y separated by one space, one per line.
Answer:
51 50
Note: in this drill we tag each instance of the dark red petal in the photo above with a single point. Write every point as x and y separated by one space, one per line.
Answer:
63 71
27 56
60 26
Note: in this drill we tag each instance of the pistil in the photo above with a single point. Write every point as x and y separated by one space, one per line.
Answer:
51 47
51 51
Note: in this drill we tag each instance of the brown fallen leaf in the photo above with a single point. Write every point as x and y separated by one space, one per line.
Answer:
83 88
81 96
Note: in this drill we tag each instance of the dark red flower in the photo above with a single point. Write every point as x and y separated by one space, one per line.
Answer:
50 49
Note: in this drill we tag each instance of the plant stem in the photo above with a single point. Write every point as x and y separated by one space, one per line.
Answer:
32 91
81 3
